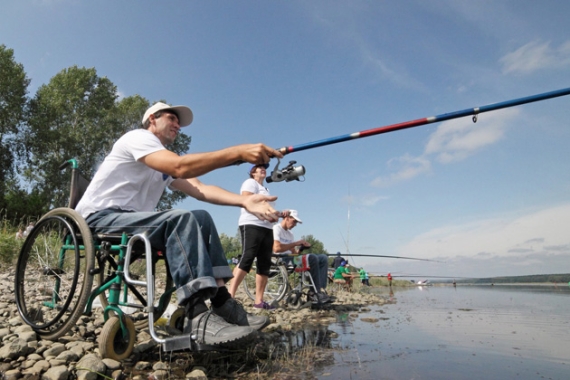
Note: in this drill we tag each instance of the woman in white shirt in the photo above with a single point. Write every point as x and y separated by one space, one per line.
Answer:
256 239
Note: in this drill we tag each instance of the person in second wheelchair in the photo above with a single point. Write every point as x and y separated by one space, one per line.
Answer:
124 194
284 243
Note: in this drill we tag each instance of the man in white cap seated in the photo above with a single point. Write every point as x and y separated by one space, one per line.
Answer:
284 243
125 192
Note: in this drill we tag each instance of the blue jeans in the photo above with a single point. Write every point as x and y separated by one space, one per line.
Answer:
319 264
189 238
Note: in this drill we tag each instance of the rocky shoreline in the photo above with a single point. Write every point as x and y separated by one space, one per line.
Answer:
24 355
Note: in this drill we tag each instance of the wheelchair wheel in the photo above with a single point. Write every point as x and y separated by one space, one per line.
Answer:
113 344
277 283
134 299
53 280
295 299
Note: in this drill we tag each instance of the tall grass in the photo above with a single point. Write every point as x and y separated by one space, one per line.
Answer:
9 245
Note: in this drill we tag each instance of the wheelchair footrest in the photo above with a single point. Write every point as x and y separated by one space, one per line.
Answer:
183 342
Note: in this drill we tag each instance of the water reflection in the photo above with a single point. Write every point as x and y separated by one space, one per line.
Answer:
343 321
460 332
287 343
525 323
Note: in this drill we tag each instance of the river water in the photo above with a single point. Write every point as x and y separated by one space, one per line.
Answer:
467 332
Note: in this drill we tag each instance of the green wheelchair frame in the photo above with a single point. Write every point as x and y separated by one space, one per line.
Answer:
55 273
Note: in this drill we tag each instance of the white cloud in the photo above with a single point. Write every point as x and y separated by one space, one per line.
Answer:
396 75
342 25
54 2
519 239
406 167
535 56
452 141
365 200
456 140
369 200
536 242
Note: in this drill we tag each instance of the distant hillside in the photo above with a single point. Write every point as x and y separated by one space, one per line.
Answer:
535 278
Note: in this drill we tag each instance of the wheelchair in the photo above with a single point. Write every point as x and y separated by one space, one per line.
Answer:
61 260
289 279
277 282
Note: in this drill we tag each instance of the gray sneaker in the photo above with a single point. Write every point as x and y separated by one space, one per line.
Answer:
209 328
319 298
325 298
233 312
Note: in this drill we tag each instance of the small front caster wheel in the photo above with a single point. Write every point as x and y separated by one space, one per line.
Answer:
112 342
294 300
177 319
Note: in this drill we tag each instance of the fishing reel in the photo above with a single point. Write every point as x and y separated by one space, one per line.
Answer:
287 174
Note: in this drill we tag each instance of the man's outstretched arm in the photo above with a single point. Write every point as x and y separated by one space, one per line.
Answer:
196 164
256 204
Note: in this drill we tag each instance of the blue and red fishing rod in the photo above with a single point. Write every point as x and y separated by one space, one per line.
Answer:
292 172
427 120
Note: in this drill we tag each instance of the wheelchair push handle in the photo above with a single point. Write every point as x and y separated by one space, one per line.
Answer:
71 162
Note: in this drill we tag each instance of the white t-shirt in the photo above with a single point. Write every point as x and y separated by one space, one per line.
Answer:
124 183
283 236
247 218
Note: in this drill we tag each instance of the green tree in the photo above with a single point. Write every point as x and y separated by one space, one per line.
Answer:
71 117
316 245
77 116
13 89
231 245
23 207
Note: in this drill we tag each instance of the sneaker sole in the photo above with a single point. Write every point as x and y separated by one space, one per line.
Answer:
219 341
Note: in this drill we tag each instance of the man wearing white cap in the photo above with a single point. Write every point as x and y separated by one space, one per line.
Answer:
284 243
124 194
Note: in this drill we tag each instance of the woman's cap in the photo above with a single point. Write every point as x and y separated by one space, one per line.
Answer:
256 165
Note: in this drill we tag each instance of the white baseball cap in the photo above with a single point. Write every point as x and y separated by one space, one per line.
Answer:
295 215
184 113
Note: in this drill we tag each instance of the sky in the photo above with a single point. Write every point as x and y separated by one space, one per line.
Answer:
490 198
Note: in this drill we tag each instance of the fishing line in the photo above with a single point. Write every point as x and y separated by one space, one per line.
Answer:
388 256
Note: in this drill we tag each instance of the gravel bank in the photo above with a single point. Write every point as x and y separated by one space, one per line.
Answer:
24 355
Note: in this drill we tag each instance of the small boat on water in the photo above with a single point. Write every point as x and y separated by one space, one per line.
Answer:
423 283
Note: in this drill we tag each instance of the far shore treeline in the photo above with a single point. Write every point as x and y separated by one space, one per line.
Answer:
563 278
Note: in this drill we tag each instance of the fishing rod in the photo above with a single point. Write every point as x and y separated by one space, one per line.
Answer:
404 276
290 176
302 248
384 256
294 173
357 255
